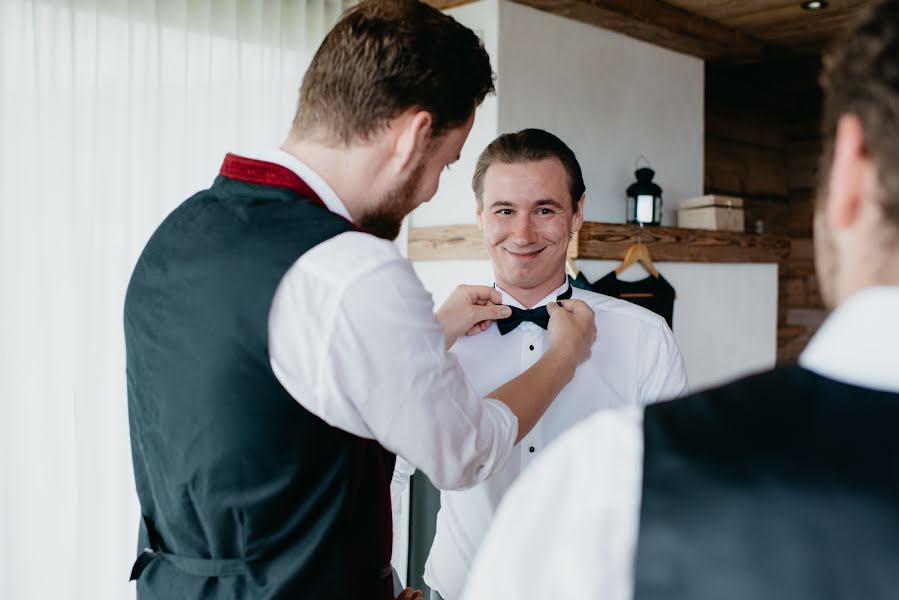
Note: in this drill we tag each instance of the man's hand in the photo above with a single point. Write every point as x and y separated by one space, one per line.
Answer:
572 328
470 309
410 594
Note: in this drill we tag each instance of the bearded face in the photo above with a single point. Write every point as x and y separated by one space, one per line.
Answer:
385 219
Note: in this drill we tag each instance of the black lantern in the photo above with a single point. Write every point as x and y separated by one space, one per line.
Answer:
644 199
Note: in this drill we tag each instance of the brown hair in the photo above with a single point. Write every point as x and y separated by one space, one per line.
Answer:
384 57
861 77
528 145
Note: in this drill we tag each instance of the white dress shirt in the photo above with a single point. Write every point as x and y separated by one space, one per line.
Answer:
587 536
353 338
635 361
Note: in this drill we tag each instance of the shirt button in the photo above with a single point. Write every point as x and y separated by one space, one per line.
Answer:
531 346
531 449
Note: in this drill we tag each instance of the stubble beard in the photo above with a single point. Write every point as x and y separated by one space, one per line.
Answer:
386 219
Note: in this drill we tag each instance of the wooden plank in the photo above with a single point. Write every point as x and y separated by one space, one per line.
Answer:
610 241
673 244
774 215
776 21
797 267
743 125
660 23
803 163
728 31
446 242
802 249
756 170
802 215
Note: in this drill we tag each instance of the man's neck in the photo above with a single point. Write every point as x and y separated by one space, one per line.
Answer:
871 271
351 171
528 297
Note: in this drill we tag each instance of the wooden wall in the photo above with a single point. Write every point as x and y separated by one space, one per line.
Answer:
762 143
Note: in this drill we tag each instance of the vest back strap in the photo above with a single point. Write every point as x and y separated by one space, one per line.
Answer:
203 567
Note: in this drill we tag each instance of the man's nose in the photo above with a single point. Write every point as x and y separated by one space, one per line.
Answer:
525 232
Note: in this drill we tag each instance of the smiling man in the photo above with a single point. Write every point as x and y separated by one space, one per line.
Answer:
530 199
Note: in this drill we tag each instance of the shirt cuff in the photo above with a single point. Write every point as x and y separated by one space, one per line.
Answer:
505 427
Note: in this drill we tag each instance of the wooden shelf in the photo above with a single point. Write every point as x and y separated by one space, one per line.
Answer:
610 241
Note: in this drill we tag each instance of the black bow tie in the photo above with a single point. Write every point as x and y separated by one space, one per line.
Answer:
539 315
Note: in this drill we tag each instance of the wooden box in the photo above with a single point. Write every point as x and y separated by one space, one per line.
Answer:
721 213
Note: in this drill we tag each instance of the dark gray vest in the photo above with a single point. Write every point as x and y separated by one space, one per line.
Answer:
781 486
244 493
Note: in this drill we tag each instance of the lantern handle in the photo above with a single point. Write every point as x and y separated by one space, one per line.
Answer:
637 162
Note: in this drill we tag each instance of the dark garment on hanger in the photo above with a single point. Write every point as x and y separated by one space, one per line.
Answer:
655 294
581 282
780 486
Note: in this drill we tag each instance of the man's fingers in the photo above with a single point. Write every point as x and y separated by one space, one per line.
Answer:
479 294
579 310
410 594
477 328
558 305
575 306
491 312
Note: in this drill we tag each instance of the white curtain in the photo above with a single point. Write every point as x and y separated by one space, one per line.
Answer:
111 113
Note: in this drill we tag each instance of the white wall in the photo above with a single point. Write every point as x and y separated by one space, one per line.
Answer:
610 98
454 201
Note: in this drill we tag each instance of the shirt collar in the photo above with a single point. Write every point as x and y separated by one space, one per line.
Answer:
859 342
312 179
508 300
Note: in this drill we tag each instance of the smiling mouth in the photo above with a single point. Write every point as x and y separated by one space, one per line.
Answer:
526 255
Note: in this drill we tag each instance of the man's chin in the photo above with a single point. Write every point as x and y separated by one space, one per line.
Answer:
525 281
386 229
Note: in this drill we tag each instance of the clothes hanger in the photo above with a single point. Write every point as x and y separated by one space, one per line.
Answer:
638 252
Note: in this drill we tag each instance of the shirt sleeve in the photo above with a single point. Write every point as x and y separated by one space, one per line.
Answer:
353 338
665 377
568 527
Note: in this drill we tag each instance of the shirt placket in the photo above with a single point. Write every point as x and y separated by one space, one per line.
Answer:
533 339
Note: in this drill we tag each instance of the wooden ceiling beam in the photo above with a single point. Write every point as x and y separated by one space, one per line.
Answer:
655 22
659 23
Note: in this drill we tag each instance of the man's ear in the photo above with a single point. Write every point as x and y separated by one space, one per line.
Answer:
413 137
578 220
847 172
479 213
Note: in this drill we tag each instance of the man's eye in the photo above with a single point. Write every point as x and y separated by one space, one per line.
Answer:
545 211
504 211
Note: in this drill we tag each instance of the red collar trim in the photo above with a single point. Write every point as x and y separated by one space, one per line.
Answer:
249 170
